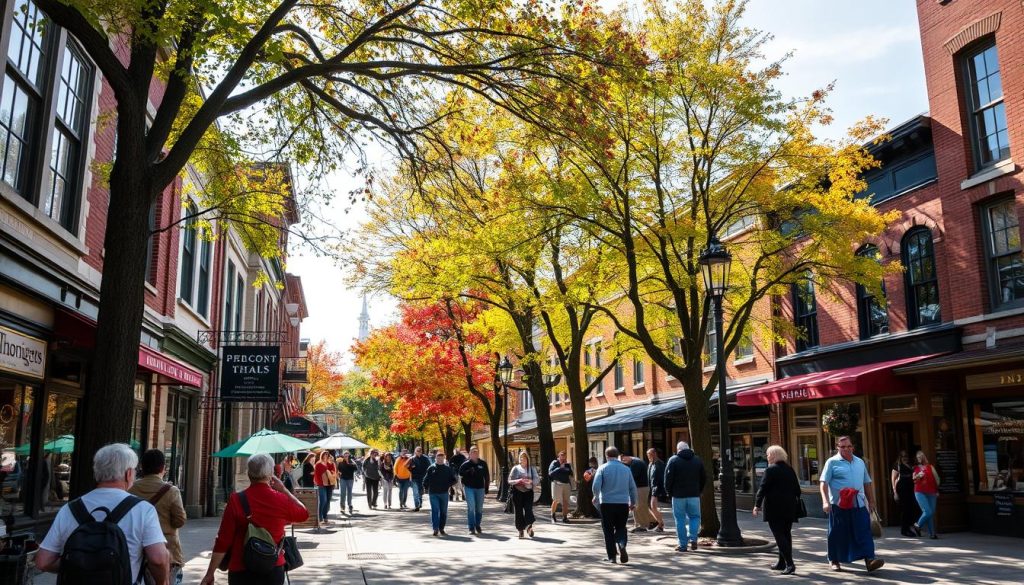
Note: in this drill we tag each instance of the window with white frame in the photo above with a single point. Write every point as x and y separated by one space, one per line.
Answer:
526 400
745 346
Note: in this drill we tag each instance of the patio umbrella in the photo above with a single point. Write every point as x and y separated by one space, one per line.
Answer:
62 444
264 441
340 441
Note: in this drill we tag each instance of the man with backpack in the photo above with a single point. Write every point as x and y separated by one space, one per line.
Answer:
166 498
107 534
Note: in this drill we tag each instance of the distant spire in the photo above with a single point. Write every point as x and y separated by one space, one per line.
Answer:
364 321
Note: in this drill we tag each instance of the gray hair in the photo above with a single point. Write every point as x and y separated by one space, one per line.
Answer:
776 453
260 467
682 445
112 461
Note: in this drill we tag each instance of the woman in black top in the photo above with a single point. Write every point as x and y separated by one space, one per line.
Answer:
903 492
346 480
308 464
656 478
777 496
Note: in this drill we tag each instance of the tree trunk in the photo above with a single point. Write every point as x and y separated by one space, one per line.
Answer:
467 435
698 413
581 448
545 436
107 404
449 438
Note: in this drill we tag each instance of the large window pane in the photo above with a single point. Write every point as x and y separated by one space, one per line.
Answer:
922 281
985 96
1006 263
16 110
16 405
58 445
999 432
28 36
808 464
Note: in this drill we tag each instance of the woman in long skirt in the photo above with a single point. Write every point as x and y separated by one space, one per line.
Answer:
903 492
521 480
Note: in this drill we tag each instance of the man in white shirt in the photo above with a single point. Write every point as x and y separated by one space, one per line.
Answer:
114 470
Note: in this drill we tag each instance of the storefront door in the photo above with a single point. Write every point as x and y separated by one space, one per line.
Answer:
896 437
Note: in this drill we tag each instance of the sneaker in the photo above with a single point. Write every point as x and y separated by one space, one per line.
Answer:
874 564
680 549
639 529
788 570
660 528
693 545
916 529
610 561
623 557
777 566
529 530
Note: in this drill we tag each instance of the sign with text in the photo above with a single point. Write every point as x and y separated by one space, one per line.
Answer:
999 379
947 462
22 354
1003 502
249 373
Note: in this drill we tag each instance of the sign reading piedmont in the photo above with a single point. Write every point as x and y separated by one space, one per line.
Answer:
22 354
249 373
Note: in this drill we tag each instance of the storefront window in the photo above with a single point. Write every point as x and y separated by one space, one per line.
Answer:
176 437
16 402
138 441
58 445
749 443
999 436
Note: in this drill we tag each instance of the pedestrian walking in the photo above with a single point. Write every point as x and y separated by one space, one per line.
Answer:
685 478
387 478
457 459
371 477
418 470
77 545
521 479
616 494
656 479
586 492
325 477
779 497
903 492
847 500
476 481
347 469
403 476
642 518
166 498
264 504
926 491
560 472
440 477
308 471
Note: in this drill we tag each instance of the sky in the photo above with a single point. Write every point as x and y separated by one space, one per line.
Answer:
870 49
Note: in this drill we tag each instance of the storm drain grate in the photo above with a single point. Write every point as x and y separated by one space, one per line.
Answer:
367 556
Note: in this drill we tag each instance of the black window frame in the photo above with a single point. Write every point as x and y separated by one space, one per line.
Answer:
992 259
638 372
187 268
805 315
867 302
979 145
229 296
205 272
914 287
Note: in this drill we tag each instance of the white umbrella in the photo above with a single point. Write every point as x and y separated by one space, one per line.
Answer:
340 441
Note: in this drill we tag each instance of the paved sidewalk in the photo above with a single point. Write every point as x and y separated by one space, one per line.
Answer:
385 546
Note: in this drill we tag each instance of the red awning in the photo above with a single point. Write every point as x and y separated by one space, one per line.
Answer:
876 378
156 362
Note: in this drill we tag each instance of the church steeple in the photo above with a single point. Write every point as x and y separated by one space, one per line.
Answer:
364 321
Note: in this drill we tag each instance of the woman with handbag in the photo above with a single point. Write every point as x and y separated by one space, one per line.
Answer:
325 476
779 497
926 491
521 480
267 506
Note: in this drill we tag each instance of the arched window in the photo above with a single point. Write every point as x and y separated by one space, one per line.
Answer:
922 279
872 312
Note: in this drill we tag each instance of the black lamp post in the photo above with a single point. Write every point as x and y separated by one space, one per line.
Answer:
715 262
505 378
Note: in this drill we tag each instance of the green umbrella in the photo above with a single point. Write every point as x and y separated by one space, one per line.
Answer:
62 444
264 441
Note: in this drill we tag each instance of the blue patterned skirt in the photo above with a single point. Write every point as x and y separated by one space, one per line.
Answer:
849 535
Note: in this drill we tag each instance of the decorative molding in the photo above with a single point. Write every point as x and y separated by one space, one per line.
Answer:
973 32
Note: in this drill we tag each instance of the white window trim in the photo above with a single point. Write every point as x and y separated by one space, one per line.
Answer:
742 361
999 169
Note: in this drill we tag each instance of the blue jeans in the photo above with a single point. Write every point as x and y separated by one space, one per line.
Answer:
474 507
323 494
438 510
403 490
417 492
345 487
686 512
927 503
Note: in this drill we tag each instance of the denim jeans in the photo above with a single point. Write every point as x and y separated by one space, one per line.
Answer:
345 487
403 491
385 491
323 494
438 510
927 503
474 507
417 492
686 512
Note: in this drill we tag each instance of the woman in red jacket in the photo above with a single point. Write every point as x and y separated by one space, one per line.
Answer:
272 508
325 477
926 492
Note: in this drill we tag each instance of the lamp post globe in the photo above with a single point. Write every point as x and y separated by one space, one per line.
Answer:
715 262
505 371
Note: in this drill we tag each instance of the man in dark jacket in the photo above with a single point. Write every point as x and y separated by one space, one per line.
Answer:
439 478
642 513
371 478
418 468
560 472
684 481
458 458
476 481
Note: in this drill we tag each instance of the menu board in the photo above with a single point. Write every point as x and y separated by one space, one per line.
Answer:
947 463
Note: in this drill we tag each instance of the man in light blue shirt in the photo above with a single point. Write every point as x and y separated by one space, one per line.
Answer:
849 518
615 493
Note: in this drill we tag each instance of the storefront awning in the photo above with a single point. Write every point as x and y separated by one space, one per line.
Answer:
876 378
527 432
631 419
300 427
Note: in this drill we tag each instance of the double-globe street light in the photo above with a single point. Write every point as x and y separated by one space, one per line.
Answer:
715 262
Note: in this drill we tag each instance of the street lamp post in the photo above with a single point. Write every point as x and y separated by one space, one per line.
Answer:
715 262
505 377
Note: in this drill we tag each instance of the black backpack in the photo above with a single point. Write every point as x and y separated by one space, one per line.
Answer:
97 551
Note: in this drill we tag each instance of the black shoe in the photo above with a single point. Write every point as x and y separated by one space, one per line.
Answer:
554 518
777 566
789 570
416 509
873 564
443 533
639 529
693 545
934 537
565 519
680 549
435 533
652 525
623 556
478 531
916 529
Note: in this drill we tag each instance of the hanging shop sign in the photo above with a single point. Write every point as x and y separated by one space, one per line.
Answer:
22 354
249 373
